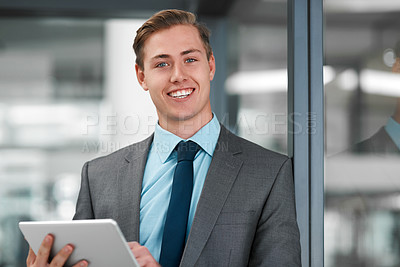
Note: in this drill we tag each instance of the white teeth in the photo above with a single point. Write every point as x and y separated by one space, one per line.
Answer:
181 93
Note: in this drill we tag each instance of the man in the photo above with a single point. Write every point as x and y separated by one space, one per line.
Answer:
386 141
241 209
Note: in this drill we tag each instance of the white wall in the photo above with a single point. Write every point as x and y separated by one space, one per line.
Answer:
129 114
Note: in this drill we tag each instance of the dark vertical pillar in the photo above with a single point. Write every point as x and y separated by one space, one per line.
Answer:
317 141
306 125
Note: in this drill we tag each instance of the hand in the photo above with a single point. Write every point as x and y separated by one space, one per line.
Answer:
41 260
143 255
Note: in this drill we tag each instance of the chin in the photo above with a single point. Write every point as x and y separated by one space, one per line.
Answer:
184 117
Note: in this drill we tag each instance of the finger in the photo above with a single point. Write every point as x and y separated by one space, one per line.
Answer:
44 250
133 245
147 260
31 257
62 256
142 254
140 251
141 261
81 264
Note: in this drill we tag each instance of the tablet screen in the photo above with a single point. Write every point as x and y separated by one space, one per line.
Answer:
100 242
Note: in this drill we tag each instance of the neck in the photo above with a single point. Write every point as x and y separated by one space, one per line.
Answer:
184 128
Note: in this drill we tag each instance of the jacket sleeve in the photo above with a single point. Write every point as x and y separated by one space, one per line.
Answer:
84 209
277 239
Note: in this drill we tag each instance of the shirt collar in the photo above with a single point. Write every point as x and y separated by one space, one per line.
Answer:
164 142
393 129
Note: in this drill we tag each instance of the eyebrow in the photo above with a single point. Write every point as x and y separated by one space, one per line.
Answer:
190 51
160 56
186 52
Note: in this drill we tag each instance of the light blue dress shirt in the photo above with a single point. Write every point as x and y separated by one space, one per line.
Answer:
393 129
158 176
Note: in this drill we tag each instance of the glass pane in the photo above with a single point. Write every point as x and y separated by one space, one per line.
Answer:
257 80
362 184
51 83
68 94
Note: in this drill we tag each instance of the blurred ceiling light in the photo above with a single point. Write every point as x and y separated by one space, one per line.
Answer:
246 82
329 74
347 80
43 114
265 81
380 82
361 6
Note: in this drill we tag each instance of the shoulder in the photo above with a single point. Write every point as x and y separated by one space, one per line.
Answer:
125 154
249 150
380 142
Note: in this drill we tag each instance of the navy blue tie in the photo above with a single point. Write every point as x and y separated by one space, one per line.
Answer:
173 242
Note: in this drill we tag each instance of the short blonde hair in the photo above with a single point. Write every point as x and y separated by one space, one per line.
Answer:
164 20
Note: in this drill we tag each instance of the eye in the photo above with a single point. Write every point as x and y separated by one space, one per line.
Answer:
162 64
190 60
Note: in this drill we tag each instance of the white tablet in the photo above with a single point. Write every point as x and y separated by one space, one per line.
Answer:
100 242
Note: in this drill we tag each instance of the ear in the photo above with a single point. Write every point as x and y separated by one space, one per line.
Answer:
140 77
211 64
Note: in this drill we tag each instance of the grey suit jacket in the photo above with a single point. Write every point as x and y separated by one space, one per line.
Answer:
379 143
245 215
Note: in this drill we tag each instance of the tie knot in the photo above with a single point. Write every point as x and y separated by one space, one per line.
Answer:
187 150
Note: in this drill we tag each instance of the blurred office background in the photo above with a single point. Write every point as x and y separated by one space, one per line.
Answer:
68 93
362 181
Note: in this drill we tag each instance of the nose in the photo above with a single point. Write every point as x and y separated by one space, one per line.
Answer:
178 73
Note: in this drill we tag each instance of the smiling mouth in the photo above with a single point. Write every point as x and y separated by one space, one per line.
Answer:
181 93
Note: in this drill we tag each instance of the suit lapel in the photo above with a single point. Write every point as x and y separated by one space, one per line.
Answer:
130 177
221 175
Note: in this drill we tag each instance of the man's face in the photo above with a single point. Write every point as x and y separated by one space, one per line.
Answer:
177 74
